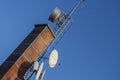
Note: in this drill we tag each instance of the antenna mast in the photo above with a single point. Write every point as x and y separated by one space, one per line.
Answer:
62 20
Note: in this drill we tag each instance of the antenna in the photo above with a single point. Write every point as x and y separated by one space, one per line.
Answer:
75 8
55 14
35 66
62 20
61 17
43 74
38 74
53 58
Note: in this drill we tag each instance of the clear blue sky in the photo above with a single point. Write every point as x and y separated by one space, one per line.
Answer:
89 51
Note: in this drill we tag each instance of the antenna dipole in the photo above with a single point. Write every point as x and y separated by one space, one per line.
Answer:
75 8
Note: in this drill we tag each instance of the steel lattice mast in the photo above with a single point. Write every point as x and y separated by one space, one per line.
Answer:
60 29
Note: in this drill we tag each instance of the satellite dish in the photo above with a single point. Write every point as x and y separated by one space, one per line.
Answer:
55 14
35 66
53 58
39 71
43 74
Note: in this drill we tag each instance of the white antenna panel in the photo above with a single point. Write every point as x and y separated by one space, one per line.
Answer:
35 66
55 14
39 71
53 58
43 74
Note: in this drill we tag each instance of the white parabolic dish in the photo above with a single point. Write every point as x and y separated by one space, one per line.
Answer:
53 58
55 14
